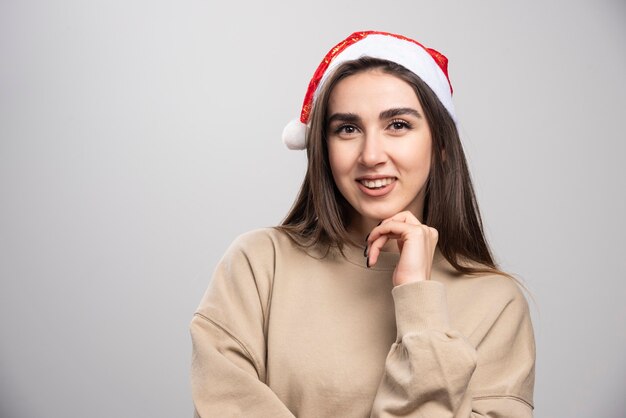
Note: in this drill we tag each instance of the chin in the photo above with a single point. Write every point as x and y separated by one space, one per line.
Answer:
385 211
378 215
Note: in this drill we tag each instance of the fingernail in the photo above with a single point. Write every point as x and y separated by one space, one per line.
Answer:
366 251
379 223
367 236
367 262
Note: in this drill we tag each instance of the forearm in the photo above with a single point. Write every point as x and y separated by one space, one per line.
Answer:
225 376
433 370
429 367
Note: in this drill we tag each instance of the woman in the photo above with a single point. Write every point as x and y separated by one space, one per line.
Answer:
378 295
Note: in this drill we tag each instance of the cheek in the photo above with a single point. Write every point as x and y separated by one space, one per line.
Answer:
341 168
337 160
424 152
418 161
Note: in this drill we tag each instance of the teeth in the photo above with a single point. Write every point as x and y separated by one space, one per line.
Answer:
373 184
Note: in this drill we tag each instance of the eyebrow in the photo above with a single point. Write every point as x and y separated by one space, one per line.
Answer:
343 117
390 113
385 114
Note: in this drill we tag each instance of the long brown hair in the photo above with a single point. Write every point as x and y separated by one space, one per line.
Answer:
320 213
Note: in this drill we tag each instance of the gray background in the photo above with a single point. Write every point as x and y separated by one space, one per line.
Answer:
138 138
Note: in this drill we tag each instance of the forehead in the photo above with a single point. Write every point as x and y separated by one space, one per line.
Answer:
371 91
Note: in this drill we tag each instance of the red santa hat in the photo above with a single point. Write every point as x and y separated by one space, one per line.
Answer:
428 64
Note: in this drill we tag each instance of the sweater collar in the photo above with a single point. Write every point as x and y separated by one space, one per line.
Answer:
386 260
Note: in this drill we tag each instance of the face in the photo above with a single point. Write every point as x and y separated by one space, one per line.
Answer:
379 146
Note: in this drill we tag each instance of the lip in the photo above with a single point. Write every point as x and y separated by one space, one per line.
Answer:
377 192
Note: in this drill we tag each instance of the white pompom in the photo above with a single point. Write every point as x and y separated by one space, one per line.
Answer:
294 135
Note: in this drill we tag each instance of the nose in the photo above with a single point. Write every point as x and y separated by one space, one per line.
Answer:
373 150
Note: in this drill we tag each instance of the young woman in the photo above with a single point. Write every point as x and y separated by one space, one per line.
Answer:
378 295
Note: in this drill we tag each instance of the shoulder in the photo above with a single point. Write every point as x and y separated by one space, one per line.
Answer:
478 303
260 240
263 245
247 266
484 289
497 288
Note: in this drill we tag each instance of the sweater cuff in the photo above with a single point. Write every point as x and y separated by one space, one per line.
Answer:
420 306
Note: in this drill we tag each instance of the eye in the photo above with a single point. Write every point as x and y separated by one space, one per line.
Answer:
398 125
345 130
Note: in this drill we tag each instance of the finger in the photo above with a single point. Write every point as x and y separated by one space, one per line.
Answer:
406 217
374 250
434 234
376 242
394 228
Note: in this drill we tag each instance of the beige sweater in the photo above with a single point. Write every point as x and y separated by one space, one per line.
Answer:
282 332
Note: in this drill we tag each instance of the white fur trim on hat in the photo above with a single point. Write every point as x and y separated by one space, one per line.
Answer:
429 65
410 55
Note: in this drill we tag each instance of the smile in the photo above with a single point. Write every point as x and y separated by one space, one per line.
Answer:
377 188
378 183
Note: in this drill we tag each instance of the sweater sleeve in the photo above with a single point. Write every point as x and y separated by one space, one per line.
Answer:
433 370
228 372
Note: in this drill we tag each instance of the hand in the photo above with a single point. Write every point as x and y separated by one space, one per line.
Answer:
416 242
